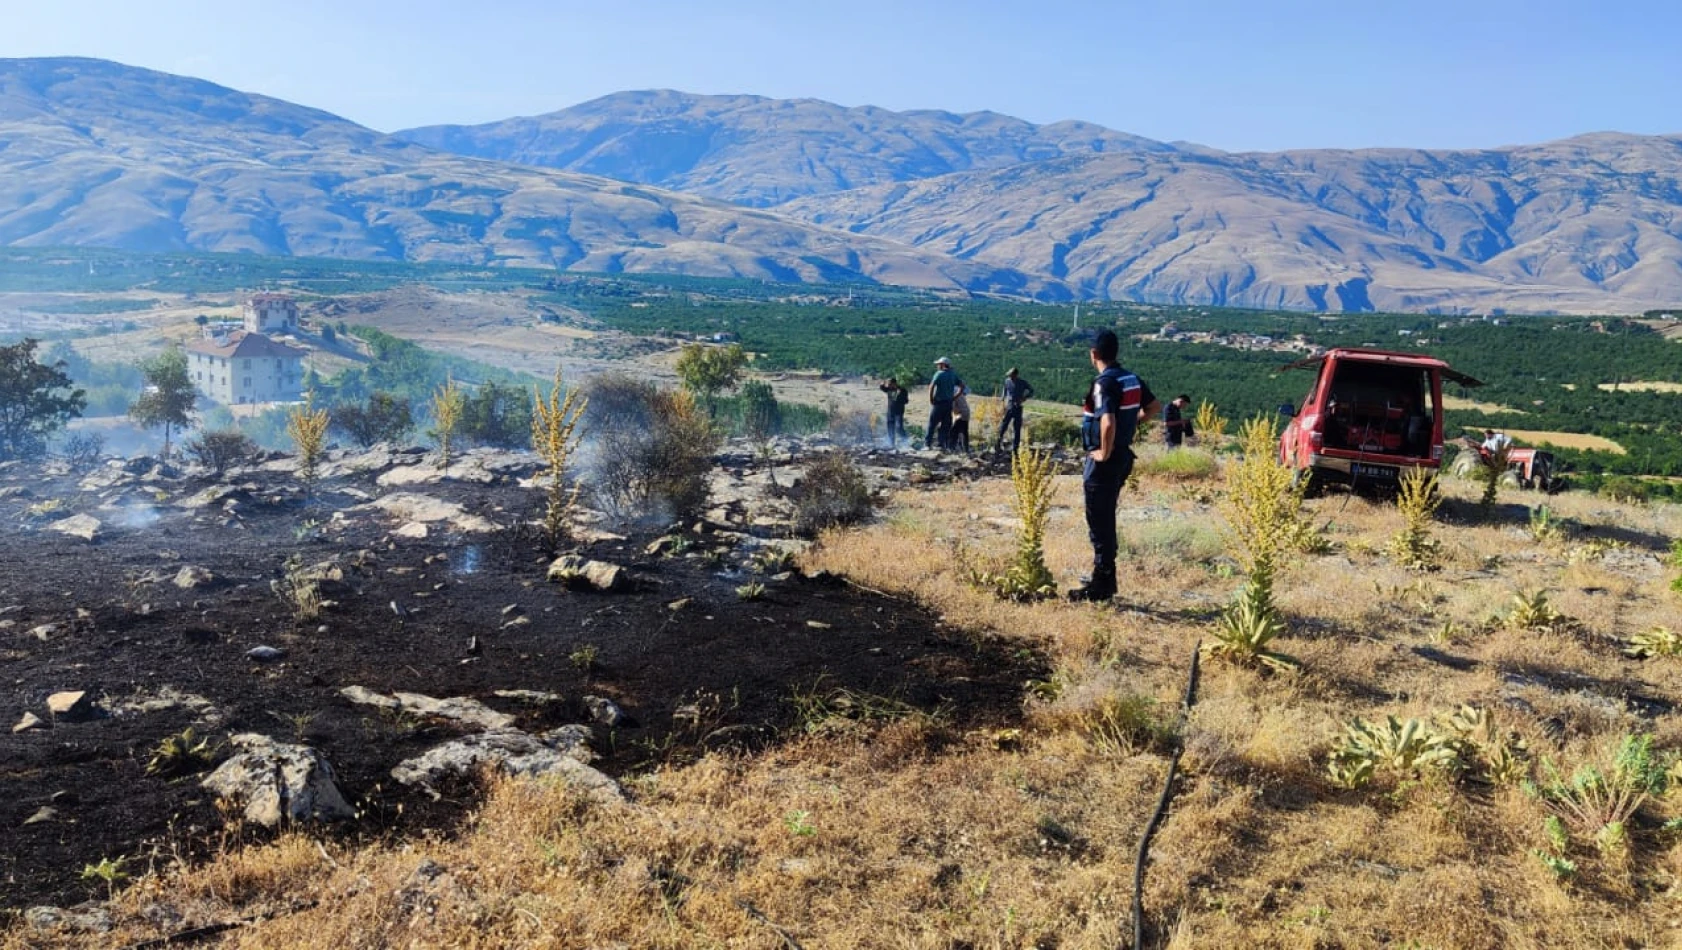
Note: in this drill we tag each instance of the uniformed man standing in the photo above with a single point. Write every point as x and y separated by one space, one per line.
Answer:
1118 397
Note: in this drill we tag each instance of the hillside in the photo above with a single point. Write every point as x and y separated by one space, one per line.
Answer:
1586 224
757 151
93 153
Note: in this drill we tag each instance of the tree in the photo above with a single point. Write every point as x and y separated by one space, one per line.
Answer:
383 418
169 395
497 415
707 371
36 400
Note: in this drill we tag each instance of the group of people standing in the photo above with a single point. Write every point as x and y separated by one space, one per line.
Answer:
949 410
1110 418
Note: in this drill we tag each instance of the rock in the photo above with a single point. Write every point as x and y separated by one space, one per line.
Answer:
367 697
516 753
265 654
274 782
28 722
190 577
746 737
70 705
43 814
604 711
413 531
86 527
411 507
535 697
87 917
457 708
579 572
44 632
576 740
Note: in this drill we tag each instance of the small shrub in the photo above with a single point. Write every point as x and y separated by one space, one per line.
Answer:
1182 464
1531 612
83 450
1417 499
584 658
1597 800
448 404
1659 641
300 590
1209 424
1053 430
1249 625
222 449
1545 526
111 871
753 590
1401 747
832 493
1028 578
1489 468
383 417
653 449
1263 508
1124 723
554 424
307 427
1626 490
181 754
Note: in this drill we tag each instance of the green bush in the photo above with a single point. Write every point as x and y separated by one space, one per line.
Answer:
1181 464
832 492
222 449
649 449
1626 489
1055 430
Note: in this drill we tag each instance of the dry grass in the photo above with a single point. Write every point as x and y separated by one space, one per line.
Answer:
1641 387
1566 440
910 837
1473 405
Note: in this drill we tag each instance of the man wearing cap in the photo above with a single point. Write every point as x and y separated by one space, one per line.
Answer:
1016 392
1118 397
942 388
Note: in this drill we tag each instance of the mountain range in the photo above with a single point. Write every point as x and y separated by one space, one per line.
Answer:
96 153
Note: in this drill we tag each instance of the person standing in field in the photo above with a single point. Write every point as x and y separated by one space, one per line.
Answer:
1118 398
898 397
1017 392
960 419
943 388
1176 426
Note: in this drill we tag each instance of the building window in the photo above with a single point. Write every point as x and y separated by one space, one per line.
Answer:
247 364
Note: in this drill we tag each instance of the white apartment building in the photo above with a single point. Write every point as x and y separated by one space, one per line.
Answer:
246 367
271 313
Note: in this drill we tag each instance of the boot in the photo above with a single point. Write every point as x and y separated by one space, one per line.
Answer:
1100 588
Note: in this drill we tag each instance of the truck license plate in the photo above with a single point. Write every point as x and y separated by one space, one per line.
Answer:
1385 472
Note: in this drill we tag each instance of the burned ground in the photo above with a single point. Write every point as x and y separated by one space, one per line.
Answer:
455 613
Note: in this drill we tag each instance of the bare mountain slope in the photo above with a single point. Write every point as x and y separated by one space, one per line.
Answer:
1592 223
95 153
758 151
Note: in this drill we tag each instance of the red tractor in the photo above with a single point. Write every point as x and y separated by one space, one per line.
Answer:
1527 468
1370 415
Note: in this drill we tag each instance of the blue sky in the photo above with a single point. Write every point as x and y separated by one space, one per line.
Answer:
1235 74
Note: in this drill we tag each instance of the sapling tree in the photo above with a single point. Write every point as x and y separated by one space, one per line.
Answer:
169 395
554 434
448 403
307 427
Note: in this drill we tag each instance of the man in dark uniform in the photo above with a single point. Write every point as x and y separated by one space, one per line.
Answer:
1118 397
1176 428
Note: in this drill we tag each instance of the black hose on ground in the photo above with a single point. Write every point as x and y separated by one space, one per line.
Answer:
1162 803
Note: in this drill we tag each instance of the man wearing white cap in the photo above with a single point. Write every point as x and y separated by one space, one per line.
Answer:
942 389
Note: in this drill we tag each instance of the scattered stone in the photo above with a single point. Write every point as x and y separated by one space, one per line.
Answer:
42 815
517 622
456 708
87 917
533 696
817 625
516 753
367 697
28 722
44 632
413 531
511 608
190 577
411 507
86 527
274 782
604 711
70 705
265 654
576 571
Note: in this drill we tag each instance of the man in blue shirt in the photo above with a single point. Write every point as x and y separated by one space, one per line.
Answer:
1118 397
942 389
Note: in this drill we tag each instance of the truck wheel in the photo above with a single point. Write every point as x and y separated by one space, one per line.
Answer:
1307 481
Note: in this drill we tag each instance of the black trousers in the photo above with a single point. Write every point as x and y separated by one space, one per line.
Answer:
896 426
1101 485
1013 416
940 425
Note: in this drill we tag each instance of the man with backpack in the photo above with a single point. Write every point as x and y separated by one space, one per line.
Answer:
1118 398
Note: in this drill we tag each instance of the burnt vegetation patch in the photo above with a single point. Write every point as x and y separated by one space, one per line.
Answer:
186 612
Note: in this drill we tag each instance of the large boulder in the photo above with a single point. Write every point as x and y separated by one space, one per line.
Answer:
556 754
412 507
468 712
579 572
274 782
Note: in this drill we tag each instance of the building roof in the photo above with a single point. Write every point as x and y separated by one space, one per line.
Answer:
270 298
243 345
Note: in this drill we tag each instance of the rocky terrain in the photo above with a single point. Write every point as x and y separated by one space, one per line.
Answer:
97 154
355 655
760 152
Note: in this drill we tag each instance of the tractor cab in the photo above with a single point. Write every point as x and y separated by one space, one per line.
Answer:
1370 416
